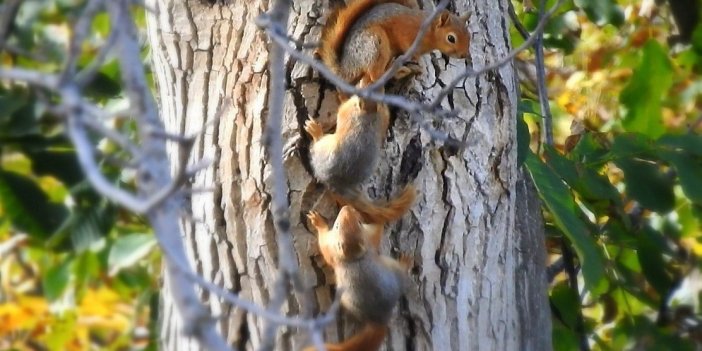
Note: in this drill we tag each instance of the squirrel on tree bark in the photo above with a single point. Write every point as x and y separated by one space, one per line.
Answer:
370 284
360 40
346 158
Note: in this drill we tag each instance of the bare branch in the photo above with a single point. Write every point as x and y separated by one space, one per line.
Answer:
7 17
88 73
86 158
249 306
80 31
517 24
287 260
111 134
547 129
39 79
154 174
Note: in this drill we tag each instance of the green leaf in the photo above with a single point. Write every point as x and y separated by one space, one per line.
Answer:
28 206
564 338
87 267
567 303
689 222
89 225
631 145
647 184
21 115
643 95
689 173
585 181
129 249
564 167
558 200
589 150
10 102
103 86
61 164
55 280
652 264
529 106
691 143
601 12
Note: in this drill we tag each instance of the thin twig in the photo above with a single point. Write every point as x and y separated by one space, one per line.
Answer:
7 19
277 18
87 74
515 20
547 130
80 31
154 174
249 306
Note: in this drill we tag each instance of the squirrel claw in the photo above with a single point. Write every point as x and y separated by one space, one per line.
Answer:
314 129
317 220
406 260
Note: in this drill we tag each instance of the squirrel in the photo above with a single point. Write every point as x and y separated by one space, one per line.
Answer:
346 158
370 284
360 40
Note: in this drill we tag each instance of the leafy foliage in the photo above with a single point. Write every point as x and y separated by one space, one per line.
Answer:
61 238
622 186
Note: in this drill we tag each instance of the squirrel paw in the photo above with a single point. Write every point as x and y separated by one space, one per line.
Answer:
314 129
317 220
408 70
406 260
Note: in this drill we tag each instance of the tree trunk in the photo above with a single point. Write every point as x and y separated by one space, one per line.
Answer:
472 266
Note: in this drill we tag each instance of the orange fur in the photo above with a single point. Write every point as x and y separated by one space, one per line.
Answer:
368 339
383 212
343 246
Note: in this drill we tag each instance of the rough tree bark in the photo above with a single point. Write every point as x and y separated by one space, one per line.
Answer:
478 280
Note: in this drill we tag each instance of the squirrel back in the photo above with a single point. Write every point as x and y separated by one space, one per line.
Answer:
346 158
383 284
361 39
339 24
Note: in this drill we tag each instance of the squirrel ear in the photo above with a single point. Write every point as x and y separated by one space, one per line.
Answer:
443 18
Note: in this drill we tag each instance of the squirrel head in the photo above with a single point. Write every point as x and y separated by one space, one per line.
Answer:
450 34
349 226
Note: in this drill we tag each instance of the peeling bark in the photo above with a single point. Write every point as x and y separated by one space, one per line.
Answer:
468 284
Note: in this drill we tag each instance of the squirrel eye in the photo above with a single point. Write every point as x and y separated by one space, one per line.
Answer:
451 38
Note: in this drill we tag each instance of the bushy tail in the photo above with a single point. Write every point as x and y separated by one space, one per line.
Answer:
379 212
368 339
338 25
